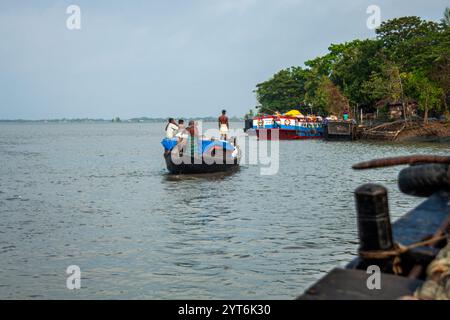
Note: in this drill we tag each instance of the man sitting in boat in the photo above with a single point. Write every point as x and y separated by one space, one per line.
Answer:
223 125
180 125
182 135
171 128
182 132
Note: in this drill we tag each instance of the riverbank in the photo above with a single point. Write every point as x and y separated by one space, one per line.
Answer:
431 132
410 131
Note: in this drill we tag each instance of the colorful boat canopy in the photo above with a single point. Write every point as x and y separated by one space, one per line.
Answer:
293 113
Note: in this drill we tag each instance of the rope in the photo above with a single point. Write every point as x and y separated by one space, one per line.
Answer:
397 251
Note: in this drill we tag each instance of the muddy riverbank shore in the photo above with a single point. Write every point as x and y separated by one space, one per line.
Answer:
410 131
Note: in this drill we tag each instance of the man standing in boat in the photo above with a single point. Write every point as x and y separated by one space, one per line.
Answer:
223 125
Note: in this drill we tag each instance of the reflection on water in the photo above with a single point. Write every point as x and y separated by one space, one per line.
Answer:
99 196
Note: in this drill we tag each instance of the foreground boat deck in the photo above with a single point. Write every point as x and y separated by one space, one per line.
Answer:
350 282
347 284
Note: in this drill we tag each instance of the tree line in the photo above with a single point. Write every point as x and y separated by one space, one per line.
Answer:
408 61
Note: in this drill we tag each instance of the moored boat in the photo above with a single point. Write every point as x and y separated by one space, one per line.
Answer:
290 126
340 130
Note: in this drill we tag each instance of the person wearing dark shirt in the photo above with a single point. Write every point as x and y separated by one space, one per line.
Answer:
223 125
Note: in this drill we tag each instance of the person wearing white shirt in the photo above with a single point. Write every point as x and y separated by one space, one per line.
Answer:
171 128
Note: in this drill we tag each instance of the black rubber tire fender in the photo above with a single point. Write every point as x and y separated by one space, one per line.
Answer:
425 179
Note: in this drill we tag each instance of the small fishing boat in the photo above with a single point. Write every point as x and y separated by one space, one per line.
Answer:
290 126
203 156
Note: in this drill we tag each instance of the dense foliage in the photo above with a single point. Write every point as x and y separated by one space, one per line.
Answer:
409 60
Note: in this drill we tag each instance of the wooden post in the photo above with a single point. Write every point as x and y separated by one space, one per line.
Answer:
361 115
374 225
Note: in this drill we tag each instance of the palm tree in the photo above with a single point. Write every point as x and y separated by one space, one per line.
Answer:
446 19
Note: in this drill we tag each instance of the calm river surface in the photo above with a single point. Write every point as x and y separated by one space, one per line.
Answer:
98 196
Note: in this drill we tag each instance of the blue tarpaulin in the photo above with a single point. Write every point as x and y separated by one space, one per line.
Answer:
169 144
206 145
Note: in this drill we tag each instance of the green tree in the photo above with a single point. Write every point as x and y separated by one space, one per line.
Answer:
355 66
376 88
283 92
440 74
445 21
386 86
324 65
315 99
436 63
406 38
396 31
329 95
426 92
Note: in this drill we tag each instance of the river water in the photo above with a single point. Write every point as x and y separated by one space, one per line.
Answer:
98 196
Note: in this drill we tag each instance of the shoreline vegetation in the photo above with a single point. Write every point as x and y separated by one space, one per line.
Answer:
402 73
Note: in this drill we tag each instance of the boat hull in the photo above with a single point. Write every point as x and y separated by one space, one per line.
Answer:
339 131
286 134
197 165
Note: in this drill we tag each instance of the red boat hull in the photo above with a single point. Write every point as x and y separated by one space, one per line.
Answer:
283 134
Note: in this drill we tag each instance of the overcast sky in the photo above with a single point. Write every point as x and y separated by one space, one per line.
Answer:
166 58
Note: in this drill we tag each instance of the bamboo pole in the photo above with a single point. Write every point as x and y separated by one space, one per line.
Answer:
395 161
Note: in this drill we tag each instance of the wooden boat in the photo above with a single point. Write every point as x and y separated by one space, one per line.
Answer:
204 164
339 131
386 131
210 162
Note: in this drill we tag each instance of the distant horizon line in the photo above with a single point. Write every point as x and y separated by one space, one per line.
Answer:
116 119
